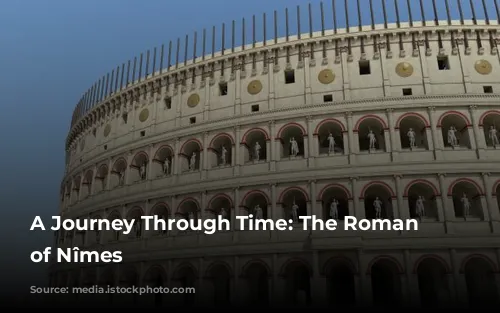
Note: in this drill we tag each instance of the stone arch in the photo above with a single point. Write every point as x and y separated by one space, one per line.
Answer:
162 210
338 193
435 257
417 124
255 262
245 138
129 275
289 197
480 272
496 192
185 276
119 170
371 123
257 275
155 276
483 257
77 180
101 175
221 201
135 213
490 123
163 161
460 123
433 285
88 179
487 113
219 274
139 166
297 274
384 193
190 153
324 129
341 286
422 188
466 188
254 198
189 208
291 131
386 273
255 141
221 148
113 235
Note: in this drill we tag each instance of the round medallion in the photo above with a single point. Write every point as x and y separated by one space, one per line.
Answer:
254 87
483 67
143 116
193 100
107 130
326 76
404 69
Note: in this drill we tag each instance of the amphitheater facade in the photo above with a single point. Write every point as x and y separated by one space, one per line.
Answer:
154 146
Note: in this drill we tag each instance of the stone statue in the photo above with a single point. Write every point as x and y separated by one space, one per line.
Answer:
466 205
191 216
192 162
331 143
223 155
223 213
411 137
294 147
377 205
256 149
493 136
452 138
419 207
373 139
166 166
334 211
121 177
142 170
295 212
137 228
258 212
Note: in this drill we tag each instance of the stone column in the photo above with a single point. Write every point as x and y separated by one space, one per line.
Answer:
359 211
94 174
404 212
492 205
480 145
437 139
177 167
272 152
364 291
412 280
274 214
353 148
204 166
318 290
448 210
459 278
310 141
394 148
315 210
237 150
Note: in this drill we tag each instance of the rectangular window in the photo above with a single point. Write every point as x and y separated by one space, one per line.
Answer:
407 92
289 76
328 98
488 89
443 63
364 67
255 108
192 120
223 89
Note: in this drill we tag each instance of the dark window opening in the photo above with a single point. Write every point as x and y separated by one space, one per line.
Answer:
143 133
407 92
488 89
223 89
192 120
105 147
168 102
94 131
328 98
364 67
125 118
289 76
443 63
255 108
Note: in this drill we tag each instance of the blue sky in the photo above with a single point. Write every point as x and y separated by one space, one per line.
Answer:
52 51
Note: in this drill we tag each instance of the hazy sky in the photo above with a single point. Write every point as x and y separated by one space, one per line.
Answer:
52 51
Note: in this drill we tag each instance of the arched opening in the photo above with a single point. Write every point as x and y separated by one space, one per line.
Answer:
139 167
371 135
107 279
340 284
378 202
221 205
412 132
162 212
335 202
297 283
76 188
257 279
454 131
294 202
480 281
163 162
491 128
101 178
467 200
189 210
220 278
497 194
134 215
292 141
129 277
95 235
113 235
89 278
432 283
185 277
191 156
87 184
221 151
67 192
119 170
330 138
156 277
422 202
256 203
386 283
255 142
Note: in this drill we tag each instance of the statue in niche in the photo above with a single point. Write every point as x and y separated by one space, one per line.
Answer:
103 182
191 216
256 150
142 170
452 137
166 166
121 177
295 212
294 147
223 213
334 209
192 162
97 236
331 143
466 205
223 154
419 207
493 136
137 228
411 137
373 139
377 205
258 212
